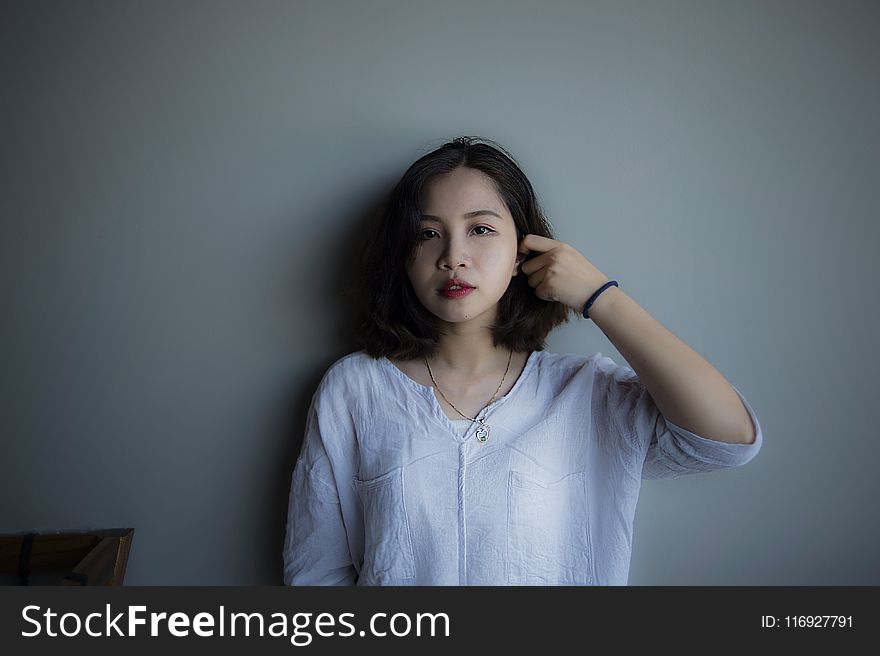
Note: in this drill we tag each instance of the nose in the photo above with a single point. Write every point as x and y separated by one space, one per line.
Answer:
453 253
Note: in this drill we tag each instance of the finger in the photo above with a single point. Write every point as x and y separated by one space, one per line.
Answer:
537 277
538 243
534 264
545 293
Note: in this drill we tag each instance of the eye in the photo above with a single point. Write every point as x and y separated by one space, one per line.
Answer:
422 236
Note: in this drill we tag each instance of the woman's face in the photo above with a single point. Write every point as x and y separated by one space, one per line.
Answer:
481 249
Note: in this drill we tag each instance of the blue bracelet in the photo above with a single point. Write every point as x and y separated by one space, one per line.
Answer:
596 295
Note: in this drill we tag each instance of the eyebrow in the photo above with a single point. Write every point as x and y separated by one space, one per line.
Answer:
469 215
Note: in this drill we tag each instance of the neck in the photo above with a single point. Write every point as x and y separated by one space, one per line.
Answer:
468 355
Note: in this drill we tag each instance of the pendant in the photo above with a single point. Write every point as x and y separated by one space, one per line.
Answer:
483 432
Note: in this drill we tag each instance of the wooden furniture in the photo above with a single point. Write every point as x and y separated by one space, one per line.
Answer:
69 558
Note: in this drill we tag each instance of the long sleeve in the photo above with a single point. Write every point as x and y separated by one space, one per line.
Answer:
623 407
316 548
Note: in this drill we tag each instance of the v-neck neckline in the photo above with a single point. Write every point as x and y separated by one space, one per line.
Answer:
425 390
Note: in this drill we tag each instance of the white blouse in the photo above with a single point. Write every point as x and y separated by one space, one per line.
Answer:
388 490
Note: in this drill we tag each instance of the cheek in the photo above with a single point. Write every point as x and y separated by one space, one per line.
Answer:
491 257
495 259
419 276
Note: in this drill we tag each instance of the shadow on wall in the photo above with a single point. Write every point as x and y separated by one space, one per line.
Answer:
338 286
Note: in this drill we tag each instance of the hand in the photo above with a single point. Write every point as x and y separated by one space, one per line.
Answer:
560 273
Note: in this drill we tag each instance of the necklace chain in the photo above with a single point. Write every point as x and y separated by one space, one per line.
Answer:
482 434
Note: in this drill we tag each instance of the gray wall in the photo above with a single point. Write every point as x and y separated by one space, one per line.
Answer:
184 185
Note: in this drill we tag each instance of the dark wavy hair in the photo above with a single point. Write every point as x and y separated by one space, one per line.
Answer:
392 322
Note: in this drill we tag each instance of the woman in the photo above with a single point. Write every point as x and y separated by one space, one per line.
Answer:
453 449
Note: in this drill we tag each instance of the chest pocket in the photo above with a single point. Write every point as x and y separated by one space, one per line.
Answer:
548 533
388 550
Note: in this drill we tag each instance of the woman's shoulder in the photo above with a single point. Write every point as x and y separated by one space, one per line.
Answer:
356 368
566 369
552 361
349 369
360 361
353 361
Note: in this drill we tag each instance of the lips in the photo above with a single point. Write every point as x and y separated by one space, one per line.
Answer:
456 282
456 292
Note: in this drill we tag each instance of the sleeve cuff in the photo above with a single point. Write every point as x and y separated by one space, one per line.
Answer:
727 454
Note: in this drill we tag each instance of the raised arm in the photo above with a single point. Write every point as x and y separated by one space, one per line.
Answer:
688 390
